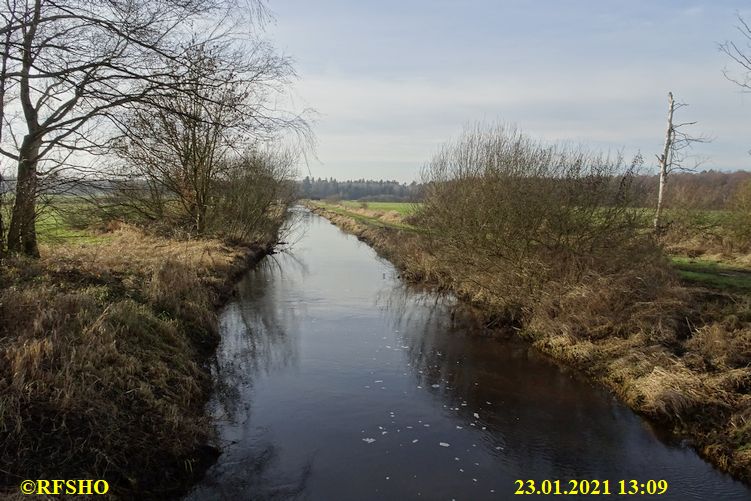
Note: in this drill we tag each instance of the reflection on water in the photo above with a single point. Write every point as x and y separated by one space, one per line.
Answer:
254 342
337 381
254 346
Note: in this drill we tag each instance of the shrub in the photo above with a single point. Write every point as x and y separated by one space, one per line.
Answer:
740 219
531 215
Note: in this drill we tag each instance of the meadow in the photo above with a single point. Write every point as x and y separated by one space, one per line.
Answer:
379 214
403 208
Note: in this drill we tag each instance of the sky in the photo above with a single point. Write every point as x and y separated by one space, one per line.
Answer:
393 80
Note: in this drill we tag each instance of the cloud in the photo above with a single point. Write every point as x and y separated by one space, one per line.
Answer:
398 120
393 84
694 11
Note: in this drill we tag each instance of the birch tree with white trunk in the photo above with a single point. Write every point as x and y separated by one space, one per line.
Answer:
673 157
664 161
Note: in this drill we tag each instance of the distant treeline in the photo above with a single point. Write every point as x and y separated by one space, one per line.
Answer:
709 189
713 190
361 189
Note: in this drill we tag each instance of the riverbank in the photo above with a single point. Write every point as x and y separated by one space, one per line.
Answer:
695 381
105 349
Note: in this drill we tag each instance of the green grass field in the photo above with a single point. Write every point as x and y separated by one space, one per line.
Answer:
713 274
404 208
53 227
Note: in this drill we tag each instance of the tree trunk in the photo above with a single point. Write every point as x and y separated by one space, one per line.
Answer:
201 209
2 221
22 232
201 219
664 161
3 82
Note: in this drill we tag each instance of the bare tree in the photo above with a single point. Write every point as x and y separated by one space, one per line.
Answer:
3 85
71 64
673 155
178 146
2 220
253 193
739 54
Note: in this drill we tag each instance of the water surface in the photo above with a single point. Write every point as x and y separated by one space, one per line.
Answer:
336 381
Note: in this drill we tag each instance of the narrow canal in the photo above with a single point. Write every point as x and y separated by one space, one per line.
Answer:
335 381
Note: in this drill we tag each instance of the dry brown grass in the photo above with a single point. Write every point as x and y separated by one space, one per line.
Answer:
388 216
720 347
102 351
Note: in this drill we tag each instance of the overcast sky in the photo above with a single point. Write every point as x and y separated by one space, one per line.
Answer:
392 80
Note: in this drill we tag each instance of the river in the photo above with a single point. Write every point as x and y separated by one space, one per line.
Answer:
336 381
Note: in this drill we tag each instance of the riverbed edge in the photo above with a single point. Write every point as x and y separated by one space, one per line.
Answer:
208 453
698 432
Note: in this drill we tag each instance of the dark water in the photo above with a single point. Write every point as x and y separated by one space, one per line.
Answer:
337 382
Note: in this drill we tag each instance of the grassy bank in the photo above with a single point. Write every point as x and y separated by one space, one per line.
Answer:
676 351
104 350
401 208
